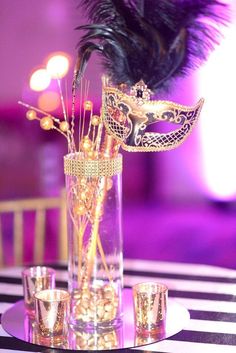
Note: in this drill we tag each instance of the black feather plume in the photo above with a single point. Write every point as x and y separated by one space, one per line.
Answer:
153 40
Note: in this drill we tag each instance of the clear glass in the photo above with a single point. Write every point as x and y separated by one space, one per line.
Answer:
95 250
97 339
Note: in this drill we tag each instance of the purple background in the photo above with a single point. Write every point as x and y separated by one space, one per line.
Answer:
167 215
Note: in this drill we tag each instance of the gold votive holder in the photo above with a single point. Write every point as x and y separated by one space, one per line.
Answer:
143 338
150 307
52 308
35 279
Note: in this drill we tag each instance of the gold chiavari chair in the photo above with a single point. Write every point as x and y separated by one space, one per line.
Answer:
18 208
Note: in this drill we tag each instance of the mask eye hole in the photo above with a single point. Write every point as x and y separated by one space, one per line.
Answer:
162 127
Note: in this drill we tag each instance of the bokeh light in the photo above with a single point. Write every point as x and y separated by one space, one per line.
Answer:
39 80
49 101
58 65
218 124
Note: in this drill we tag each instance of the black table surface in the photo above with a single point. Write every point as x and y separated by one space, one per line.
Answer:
209 293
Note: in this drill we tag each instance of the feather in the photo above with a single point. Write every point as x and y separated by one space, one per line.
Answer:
86 49
153 40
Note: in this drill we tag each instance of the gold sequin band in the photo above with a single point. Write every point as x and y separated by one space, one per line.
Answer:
75 166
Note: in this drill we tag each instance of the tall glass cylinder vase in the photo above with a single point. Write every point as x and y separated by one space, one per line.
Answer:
95 240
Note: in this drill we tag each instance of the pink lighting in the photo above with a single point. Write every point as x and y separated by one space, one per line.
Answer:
49 101
39 80
218 121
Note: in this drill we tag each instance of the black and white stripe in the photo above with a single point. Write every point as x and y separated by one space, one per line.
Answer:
207 292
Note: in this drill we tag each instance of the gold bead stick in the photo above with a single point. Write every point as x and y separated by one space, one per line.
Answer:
31 114
95 120
46 122
88 105
64 126
93 167
82 118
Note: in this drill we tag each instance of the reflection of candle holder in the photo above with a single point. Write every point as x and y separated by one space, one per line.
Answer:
29 329
96 339
34 280
148 338
150 307
33 335
52 315
51 341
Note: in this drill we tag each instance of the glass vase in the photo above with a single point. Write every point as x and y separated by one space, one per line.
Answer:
95 263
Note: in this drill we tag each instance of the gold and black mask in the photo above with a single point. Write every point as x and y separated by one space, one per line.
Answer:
127 118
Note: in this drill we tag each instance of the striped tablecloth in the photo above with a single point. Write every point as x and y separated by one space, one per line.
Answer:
207 292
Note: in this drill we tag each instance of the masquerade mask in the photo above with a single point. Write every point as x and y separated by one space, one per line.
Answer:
127 117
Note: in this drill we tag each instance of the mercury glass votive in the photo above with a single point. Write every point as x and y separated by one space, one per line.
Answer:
150 307
34 280
52 308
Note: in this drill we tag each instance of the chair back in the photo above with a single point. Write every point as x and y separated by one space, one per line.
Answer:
40 207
